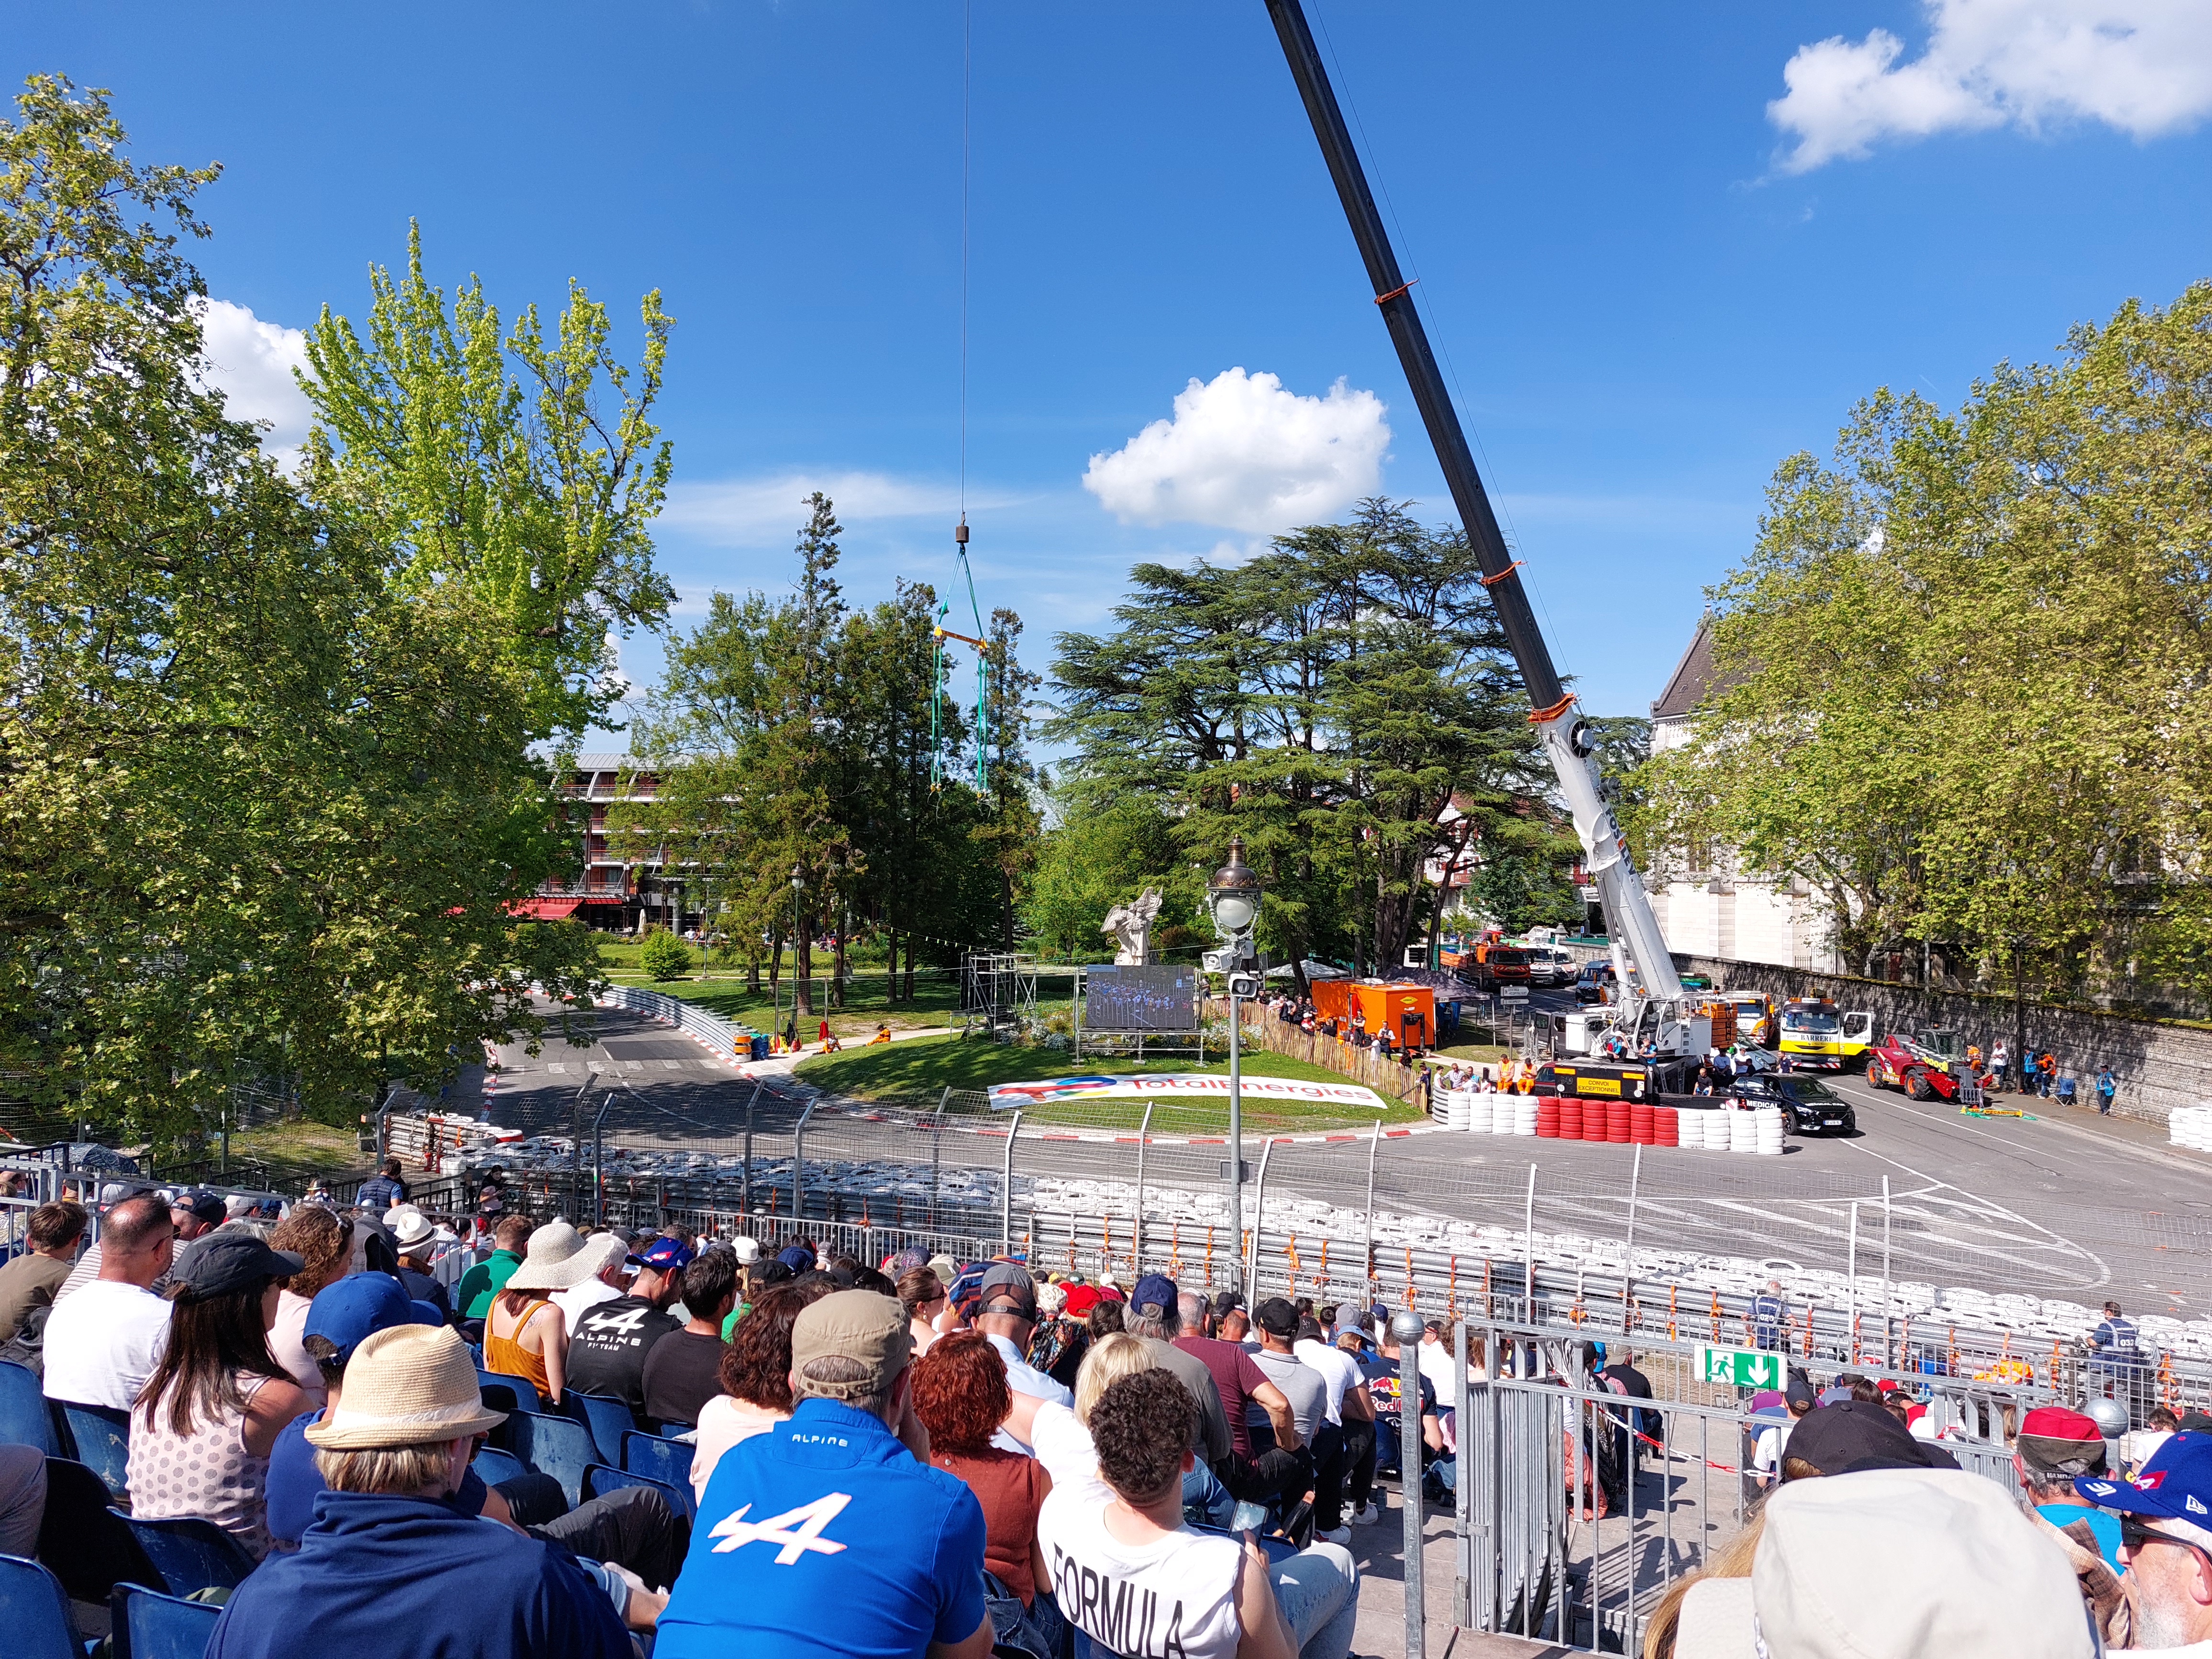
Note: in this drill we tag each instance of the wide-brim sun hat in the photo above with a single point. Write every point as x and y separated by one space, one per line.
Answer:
409 1226
554 1260
410 1385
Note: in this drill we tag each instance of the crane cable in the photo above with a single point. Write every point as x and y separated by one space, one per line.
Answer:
940 696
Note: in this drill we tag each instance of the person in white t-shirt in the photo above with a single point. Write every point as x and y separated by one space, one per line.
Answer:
1126 1571
104 1342
609 1280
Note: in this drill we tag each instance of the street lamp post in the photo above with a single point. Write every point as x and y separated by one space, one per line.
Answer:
1233 897
798 891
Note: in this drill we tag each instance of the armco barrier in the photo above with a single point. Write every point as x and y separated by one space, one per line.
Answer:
725 1039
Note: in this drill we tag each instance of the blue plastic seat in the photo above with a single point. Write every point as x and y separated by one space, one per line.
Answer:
557 1446
24 1420
35 1613
100 1435
148 1624
600 1479
666 1460
493 1465
192 1555
83 1541
610 1420
526 1392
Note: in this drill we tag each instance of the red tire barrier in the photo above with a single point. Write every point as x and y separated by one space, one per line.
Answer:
1547 1119
1571 1119
1666 1126
1617 1122
1642 1126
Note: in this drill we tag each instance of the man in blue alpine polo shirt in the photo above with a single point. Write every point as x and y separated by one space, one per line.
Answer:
830 1533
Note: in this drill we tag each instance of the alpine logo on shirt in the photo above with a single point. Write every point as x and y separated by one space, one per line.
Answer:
1124 1616
796 1531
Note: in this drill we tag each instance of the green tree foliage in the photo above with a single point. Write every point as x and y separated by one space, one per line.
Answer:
1967 665
263 807
795 734
1345 700
487 460
664 958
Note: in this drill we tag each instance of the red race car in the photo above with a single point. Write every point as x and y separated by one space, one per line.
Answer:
1921 1065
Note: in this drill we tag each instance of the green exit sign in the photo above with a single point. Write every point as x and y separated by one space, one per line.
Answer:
1747 1368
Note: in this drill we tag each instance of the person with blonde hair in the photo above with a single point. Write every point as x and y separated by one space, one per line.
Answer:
1061 1435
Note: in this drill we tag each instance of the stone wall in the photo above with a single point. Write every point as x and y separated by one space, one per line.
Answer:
2158 1066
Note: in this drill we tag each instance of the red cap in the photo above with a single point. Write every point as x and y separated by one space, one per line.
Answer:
2057 1423
1081 1299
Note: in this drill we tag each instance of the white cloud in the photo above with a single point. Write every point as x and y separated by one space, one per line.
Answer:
251 364
2143 66
771 511
1242 453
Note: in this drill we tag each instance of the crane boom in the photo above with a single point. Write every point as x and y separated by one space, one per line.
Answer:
1645 965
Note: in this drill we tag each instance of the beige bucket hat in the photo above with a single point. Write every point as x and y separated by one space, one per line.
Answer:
556 1259
410 1385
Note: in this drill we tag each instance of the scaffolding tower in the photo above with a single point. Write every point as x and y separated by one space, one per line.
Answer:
998 993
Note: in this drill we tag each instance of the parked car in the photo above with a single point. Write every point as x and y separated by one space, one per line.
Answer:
1595 982
1809 1106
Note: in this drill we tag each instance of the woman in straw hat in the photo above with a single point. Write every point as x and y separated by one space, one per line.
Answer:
525 1334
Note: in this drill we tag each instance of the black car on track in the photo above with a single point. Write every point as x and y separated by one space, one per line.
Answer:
1809 1106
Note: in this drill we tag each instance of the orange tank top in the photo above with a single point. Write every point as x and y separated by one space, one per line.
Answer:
505 1353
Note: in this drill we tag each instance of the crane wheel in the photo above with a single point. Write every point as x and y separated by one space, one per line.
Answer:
1873 1077
1916 1086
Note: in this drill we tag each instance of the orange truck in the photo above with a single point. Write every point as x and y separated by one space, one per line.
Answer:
1410 1011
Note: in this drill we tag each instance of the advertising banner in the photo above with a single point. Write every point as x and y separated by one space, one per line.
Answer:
1185 1088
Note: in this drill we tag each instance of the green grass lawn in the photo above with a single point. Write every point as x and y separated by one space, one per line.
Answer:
923 1068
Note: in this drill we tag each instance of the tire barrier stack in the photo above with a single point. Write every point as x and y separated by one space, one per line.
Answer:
2191 1127
1490 1114
1621 1123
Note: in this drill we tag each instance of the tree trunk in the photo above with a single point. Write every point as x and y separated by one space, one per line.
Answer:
802 972
891 968
837 965
909 993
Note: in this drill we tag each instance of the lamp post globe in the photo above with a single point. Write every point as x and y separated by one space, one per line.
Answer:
1232 895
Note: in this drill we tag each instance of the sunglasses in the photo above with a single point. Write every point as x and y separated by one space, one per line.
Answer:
2134 1535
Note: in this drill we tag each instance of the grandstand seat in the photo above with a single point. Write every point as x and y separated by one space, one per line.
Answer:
24 1420
526 1392
148 1624
100 1438
668 1461
190 1555
609 1419
555 1446
493 1465
600 1479
34 1611
84 1542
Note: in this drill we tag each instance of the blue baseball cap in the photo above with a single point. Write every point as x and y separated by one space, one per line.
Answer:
2176 1484
1154 1290
664 1255
797 1258
360 1305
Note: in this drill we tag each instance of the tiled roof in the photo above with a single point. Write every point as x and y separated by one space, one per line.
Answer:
1692 682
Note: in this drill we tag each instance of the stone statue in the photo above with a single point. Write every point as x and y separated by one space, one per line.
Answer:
1130 926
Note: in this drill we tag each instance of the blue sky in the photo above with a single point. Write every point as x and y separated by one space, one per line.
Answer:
1646 285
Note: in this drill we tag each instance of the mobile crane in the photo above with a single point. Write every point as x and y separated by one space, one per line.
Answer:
1654 1015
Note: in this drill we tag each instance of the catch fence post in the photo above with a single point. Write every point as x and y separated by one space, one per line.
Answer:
799 1166
1528 1254
1628 1248
1006 1188
1259 1209
1851 1306
1406 1328
745 1176
1887 1289
1367 1281
936 1153
1137 1244
1462 1532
